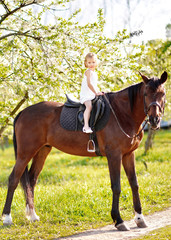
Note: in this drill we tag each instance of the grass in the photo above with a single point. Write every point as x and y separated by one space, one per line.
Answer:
73 193
159 234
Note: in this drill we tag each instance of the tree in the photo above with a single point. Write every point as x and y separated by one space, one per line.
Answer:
168 31
158 59
46 60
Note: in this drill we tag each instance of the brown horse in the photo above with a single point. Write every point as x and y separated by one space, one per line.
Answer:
37 129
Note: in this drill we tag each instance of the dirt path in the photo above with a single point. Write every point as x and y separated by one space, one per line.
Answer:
157 220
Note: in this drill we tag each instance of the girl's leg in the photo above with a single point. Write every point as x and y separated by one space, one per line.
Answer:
87 112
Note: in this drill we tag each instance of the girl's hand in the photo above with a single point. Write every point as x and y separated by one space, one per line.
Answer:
99 93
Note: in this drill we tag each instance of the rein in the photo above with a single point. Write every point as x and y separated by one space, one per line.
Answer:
131 137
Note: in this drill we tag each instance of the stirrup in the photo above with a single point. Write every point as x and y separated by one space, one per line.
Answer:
89 149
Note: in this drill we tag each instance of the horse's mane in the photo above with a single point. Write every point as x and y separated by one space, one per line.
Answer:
132 90
135 89
132 93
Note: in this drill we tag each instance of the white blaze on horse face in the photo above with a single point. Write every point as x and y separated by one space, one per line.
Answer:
7 219
31 214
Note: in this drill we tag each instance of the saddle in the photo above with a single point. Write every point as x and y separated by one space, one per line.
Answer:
72 118
72 115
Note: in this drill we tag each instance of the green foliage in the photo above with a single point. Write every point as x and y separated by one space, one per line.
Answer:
158 60
47 60
73 193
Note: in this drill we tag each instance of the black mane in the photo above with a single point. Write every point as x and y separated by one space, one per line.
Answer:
132 93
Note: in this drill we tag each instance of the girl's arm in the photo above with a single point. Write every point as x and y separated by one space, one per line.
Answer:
88 75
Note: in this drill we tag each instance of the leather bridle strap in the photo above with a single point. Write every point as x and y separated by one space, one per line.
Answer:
147 109
131 137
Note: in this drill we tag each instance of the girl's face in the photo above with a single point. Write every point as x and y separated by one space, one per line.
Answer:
91 63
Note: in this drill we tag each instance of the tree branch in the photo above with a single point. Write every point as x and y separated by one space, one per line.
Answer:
22 5
18 33
13 112
5 6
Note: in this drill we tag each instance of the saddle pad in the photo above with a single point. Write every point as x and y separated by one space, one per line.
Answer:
69 121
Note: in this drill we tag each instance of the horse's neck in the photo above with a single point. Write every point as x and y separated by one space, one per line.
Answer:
121 104
138 110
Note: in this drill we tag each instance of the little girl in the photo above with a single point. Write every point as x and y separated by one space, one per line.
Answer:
89 89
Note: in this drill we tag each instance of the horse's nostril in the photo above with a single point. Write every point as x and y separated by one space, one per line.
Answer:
158 119
151 119
154 121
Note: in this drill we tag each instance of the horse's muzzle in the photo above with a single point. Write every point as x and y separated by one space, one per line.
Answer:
154 122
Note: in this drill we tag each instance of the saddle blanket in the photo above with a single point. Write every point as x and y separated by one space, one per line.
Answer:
69 118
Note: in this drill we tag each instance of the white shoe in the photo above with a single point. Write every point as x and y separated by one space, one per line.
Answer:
89 130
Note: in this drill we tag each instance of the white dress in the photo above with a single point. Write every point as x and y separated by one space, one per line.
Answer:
86 93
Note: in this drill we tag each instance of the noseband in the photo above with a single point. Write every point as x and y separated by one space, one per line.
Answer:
147 109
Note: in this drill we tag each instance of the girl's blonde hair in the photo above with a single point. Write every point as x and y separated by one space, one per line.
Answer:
89 55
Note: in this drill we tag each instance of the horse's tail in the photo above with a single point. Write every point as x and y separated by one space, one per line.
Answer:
24 178
14 136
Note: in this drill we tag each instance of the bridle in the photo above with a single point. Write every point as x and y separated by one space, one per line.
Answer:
146 110
155 103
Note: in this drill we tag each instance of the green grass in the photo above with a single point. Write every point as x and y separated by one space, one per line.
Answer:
159 234
73 193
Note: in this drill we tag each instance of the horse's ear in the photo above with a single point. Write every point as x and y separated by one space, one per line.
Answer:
145 79
163 77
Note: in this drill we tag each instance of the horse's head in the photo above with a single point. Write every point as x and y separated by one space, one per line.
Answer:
154 99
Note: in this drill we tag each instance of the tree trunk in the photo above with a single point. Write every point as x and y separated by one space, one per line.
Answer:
149 141
13 112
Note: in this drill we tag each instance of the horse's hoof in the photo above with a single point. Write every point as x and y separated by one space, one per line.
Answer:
33 217
31 214
7 219
141 224
122 227
140 221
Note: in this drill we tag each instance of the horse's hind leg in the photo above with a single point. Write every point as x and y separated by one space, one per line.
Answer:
12 185
25 182
129 166
30 180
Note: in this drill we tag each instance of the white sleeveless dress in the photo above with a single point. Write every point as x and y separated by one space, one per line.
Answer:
86 93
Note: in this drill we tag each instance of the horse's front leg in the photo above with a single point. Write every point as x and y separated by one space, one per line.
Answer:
128 162
114 162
